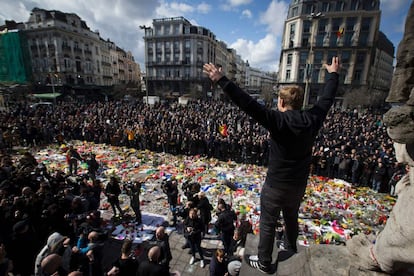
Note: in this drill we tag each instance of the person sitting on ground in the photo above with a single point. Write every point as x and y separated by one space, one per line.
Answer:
218 264
233 267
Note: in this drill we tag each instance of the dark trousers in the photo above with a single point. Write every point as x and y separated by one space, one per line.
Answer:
115 205
274 200
226 238
138 215
195 246
73 166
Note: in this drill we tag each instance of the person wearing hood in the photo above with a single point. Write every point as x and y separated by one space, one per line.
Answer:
293 132
56 243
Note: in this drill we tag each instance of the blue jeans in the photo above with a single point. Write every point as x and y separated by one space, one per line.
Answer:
173 209
376 185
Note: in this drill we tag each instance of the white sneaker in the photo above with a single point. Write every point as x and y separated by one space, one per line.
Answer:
202 264
192 260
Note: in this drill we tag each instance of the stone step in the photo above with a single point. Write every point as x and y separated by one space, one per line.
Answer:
315 260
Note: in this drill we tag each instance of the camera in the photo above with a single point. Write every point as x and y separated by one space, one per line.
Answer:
45 214
181 212
128 185
165 185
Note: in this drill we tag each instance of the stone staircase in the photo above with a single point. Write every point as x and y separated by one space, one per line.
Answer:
316 260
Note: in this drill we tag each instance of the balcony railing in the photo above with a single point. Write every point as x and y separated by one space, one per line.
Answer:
66 48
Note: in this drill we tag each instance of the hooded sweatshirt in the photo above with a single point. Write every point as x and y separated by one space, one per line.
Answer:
292 132
54 244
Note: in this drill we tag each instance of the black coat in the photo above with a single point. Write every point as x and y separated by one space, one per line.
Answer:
147 268
225 221
217 268
197 227
112 191
205 209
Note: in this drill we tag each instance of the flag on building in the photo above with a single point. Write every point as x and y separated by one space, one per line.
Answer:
340 32
223 130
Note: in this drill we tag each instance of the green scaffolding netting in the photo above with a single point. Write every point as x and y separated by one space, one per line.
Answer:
14 58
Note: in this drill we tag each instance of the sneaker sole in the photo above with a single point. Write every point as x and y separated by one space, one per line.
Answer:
256 265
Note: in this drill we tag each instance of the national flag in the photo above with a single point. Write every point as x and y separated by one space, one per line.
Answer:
340 32
223 130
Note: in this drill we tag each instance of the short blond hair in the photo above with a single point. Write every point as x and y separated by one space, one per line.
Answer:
292 96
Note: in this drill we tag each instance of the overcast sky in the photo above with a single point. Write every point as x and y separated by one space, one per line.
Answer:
252 27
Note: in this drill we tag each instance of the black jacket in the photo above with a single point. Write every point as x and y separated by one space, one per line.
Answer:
225 221
147 268
205 209
292 132
217 268
197 227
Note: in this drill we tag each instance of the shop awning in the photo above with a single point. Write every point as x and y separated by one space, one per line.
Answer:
47 95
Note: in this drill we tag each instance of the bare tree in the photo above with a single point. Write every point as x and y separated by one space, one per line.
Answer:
356 97
362 97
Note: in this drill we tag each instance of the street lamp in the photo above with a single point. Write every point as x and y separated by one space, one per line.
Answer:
145 28
52 83
308 69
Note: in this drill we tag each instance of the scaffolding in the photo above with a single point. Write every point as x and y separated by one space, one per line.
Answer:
15 64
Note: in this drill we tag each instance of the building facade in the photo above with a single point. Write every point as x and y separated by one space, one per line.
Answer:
65 52
175 51
315 31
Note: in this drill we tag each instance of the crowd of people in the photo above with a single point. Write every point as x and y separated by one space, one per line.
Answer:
39 207
55 217
350 146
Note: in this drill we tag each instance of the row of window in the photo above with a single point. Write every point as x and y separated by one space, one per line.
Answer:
174 46
333 25
333 35
334 6
177 29
171 73
320 57
314 73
